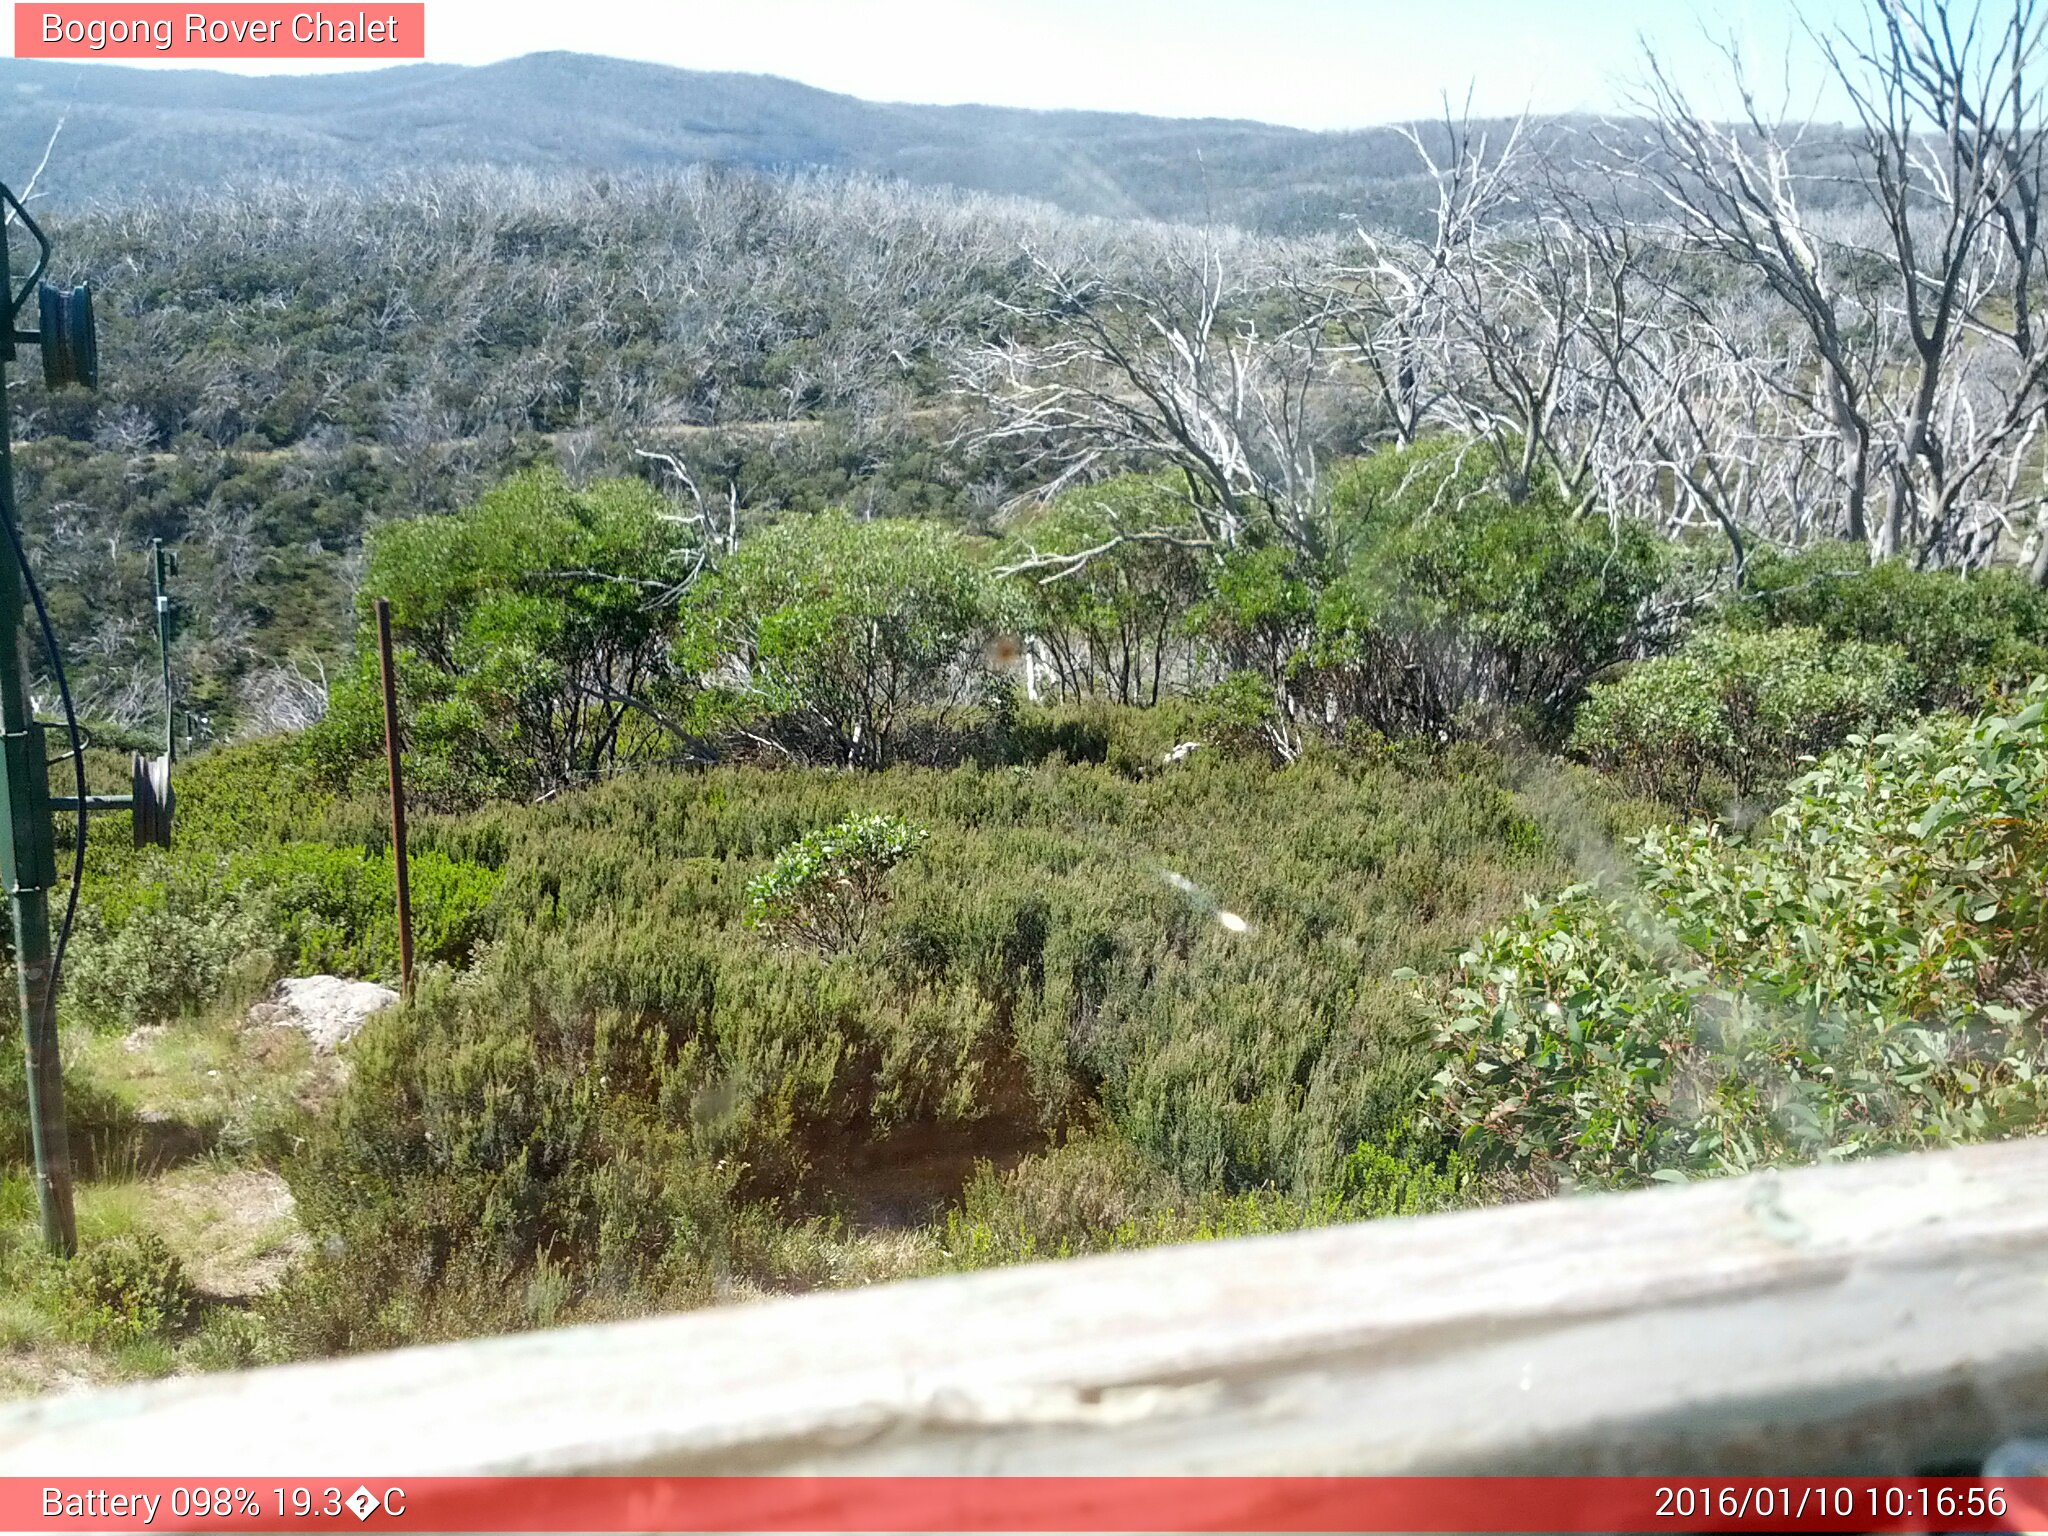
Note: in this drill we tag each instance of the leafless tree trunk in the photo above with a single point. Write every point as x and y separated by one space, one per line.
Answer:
1174 361
1916 312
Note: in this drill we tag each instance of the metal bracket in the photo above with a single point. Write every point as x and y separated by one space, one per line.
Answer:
15 301
28 859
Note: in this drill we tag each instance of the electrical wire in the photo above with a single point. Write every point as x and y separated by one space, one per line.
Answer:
35 595
85 739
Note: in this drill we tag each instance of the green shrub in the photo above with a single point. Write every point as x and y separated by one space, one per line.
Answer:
229 1339
1075 1198
1961 635
1098 1192
1738 710
14 1128
562 1099
1115 627
1260 613
188 927
237 797
1454 605
1850 978
335 909
1241 714
167 943
1396 1176
531 629
825 889
127 1289
270 873
823 635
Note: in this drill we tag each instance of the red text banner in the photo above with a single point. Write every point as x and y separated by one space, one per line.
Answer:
376 1503
224 31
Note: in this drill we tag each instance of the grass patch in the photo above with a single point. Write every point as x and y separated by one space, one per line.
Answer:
207 1086
177 1128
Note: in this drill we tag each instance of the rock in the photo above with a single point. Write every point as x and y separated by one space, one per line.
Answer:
329 1009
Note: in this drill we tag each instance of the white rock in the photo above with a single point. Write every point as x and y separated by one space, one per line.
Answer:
328 1008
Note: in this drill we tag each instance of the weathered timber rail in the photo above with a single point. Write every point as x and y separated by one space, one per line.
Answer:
1883 1316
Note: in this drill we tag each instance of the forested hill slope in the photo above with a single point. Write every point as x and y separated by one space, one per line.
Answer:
134 132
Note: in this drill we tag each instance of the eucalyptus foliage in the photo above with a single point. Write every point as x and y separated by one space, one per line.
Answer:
1454 601
822 635
1861 973
1960 634
1109 575
532 633
1739 711
825 888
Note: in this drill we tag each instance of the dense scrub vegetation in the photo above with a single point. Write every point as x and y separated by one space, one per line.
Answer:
659 1096
1158 998
1862 972
1166 733
1051 977
1731 711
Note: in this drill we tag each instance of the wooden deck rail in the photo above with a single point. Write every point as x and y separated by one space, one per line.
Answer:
1885 1316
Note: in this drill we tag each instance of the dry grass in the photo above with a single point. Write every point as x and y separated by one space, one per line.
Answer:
178 1128
235 1228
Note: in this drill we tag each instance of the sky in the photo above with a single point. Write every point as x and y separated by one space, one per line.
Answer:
1307 63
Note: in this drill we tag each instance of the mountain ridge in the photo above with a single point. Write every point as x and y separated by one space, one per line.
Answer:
131 133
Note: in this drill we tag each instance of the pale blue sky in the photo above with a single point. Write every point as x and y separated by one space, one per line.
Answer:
1312 63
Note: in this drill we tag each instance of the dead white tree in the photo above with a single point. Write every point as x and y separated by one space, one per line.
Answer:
706 534
1953 139
1395 300
1530 380
1696 426
280 698
1186 357
29 192
1483 327
1737 196
1913 310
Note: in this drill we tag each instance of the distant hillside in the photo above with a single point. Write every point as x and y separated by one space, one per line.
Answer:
135 132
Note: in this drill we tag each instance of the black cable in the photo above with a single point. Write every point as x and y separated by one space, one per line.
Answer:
85 737
35 595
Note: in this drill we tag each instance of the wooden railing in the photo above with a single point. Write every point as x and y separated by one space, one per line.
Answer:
1884 1316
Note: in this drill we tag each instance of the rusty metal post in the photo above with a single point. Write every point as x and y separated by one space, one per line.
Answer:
400 869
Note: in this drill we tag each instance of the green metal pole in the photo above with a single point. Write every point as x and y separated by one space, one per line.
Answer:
159 561
28 856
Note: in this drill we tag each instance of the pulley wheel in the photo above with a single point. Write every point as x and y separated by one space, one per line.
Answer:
71 353
151 778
